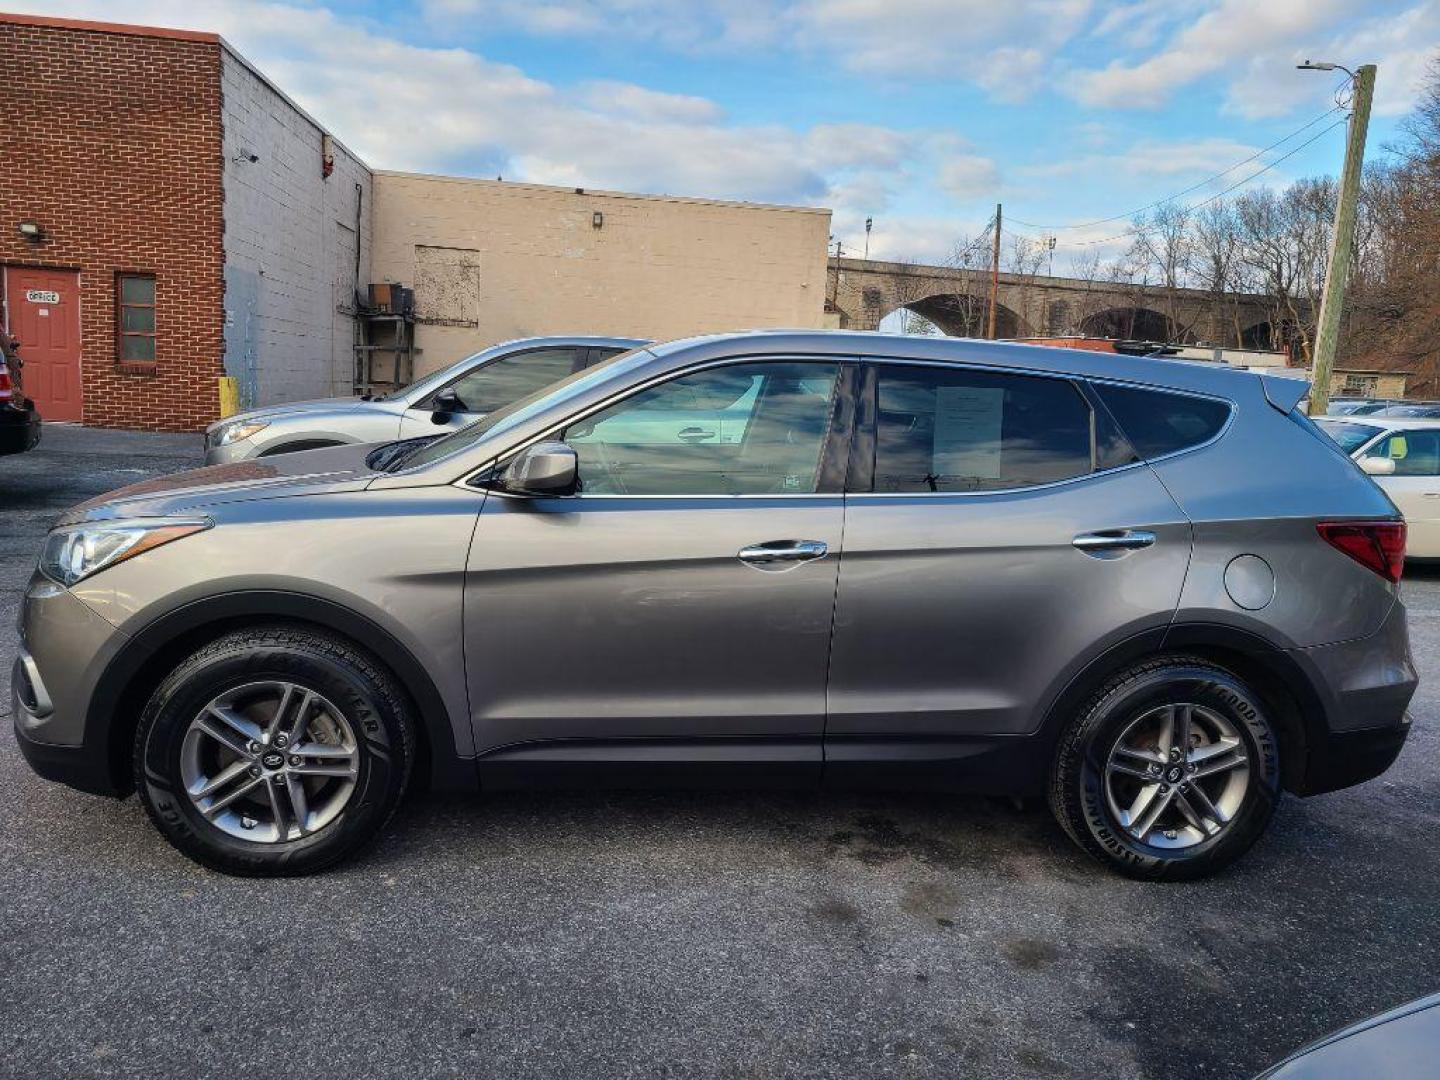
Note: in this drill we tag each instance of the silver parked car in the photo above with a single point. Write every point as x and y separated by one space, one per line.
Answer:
833 557
433 405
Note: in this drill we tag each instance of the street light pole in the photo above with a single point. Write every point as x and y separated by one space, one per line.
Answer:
1342 241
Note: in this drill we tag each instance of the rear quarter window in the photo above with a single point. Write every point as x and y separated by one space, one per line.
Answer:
1158 422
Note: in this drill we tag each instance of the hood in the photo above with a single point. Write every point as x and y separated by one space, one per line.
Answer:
309 472
301 408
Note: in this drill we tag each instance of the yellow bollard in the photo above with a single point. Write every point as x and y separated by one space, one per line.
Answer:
229 396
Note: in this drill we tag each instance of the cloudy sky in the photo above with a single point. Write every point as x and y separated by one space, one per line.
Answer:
919 113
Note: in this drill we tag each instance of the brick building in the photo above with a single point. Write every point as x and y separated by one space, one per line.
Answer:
168 215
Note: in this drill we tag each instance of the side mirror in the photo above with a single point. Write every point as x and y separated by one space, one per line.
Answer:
547 468
444 404
1378 466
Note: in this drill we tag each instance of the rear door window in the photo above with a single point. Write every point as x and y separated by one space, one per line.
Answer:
1158 422
957 430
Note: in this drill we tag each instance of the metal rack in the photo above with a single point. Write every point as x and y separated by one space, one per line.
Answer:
384 351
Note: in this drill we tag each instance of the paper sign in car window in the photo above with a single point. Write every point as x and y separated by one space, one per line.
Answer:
1398 447
967 431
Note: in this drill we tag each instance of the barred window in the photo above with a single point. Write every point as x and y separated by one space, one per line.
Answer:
135 318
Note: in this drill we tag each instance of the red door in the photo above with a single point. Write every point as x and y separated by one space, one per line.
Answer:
43 309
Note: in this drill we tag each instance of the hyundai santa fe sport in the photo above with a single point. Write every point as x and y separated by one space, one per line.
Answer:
1150 590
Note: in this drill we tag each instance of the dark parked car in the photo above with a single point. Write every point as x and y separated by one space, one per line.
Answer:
1402 1044
833 558
19 421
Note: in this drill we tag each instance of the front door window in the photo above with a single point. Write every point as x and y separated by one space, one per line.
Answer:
744 429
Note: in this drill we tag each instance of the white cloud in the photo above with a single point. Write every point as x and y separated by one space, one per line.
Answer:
1230 31
1400 45
970 40
968 176
409 107
686 24
1012 75
649 105
1251 49
967 39
840 146
1154 157
911 237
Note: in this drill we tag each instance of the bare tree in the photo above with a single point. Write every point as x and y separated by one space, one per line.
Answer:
1216 257
1163 249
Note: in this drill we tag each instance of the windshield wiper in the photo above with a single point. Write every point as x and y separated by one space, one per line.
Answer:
391 456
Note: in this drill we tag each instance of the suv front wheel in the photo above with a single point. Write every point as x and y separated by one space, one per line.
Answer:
1170 772
274 751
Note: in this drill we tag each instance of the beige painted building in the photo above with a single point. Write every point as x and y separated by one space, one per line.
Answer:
492 260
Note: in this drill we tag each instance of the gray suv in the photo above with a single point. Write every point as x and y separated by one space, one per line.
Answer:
432 405
1149 590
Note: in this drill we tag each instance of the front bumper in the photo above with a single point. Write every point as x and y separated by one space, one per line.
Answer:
78 767
64 649
19 428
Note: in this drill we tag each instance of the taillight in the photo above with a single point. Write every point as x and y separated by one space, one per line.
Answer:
1376 545
7 388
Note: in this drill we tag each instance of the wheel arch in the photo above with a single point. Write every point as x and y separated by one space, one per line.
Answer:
139 667
1273 674
295 446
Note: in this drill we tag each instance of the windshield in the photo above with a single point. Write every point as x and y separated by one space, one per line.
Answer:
516 412
426 383
1350 435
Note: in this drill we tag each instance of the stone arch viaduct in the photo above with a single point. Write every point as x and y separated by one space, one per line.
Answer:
860 292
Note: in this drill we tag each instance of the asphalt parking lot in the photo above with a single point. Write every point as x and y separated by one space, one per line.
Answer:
735 935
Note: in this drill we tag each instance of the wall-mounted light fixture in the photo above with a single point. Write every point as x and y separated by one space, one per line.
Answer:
32 231
597 219
248 157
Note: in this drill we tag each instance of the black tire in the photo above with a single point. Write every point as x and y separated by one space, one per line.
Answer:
370 699
1077 783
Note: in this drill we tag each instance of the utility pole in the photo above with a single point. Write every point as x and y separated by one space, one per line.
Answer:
1342 242
994 273
835 286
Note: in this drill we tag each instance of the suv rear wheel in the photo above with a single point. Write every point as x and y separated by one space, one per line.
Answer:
1170 772
274 751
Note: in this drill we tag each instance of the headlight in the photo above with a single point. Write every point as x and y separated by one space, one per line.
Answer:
226 434
81 550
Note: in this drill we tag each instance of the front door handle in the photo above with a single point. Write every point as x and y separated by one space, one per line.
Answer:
782 554
1111 541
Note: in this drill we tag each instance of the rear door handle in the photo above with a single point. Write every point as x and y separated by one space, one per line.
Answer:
1113 540
695 434
782 554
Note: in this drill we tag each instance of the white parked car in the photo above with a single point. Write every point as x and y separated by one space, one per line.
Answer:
1403 455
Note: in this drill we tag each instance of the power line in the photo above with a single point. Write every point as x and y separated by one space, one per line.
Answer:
1194 187
1219 194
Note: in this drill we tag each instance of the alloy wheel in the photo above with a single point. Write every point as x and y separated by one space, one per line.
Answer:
1177 776
269 762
